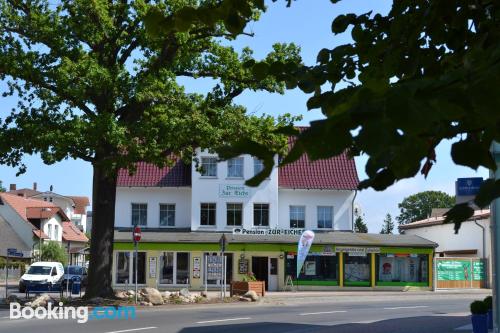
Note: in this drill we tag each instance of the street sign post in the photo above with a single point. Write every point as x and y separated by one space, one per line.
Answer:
223 243
136 235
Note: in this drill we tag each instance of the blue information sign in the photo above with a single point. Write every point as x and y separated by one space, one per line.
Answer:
468 186
14 253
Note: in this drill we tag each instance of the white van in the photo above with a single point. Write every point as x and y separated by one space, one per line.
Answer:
42 272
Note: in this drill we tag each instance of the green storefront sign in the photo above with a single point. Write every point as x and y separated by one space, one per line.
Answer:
478 274
454 270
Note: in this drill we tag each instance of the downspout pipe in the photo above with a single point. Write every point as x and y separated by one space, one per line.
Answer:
352 210
484 239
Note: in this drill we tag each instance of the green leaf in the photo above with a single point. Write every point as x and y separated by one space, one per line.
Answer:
489 191
260 70
472 154
458 214
234 23
341 22
323 56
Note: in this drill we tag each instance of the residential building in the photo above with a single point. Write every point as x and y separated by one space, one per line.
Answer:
473 240
184 209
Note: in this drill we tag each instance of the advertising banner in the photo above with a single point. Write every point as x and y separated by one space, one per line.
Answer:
478 274
454 270
304 245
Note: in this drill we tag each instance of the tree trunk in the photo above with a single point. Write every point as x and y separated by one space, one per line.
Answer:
103 222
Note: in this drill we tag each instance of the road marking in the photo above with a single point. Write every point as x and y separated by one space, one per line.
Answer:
316 313
407 307
134 329
221 320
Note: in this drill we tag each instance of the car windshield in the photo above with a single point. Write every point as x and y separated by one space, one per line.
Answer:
39 270
73 270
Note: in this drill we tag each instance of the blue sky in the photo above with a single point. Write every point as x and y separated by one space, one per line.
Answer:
307 24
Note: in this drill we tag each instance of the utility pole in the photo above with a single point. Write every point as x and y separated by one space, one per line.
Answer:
495 231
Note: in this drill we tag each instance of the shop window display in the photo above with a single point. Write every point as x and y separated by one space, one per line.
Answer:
402 268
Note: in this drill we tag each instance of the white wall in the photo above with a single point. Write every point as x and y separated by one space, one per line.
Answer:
206 190
23 229
54 221
153 196
311 199
469 237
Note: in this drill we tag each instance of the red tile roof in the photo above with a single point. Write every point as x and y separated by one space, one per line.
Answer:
81 204
72 233
436 220
45 213
21 204
338 173
40 234
149 175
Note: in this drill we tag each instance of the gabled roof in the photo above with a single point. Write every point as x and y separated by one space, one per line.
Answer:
149 175
45 213
478 215
81 204
72 233
24 192
9 238
336 173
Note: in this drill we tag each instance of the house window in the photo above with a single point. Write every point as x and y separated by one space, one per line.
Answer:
56 232
167 215
207 216
209 166
297 216
261 215
174 268
325 217
139 214
122 267
258 165
234 214
49 231
235 167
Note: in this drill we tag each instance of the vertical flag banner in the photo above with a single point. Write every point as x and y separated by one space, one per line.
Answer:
303 248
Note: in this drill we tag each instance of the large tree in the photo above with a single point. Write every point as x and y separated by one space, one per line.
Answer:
360 225
419 206
425 72
97 81
387 225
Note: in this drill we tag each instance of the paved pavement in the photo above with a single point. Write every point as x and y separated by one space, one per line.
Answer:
339 312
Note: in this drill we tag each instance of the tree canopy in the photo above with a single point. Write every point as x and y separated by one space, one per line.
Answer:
425 72
2 189
388 225
98 81
53 251
419 206
360 225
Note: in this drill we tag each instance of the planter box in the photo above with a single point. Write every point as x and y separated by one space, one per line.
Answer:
241 287
479 323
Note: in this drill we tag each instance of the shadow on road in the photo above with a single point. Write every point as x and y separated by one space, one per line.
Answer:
426 324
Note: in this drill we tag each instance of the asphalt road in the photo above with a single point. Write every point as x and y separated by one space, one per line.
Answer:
396 313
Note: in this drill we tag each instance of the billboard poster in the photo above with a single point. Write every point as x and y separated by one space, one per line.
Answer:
454 270
478 274
303 248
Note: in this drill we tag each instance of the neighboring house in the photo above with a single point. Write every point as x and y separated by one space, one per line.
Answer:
183 212
74 207
35 221
473 240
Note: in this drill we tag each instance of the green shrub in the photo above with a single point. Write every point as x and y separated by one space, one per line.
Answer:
478 307
489 302
53 251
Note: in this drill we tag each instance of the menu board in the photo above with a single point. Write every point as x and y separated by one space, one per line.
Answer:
454 270
478 273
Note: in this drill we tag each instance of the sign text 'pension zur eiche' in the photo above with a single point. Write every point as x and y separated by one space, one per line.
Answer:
275 232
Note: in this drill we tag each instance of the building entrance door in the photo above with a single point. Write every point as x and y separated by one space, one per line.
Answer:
273 274
260 269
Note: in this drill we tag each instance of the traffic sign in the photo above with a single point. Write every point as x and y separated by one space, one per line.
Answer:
468 186
137 234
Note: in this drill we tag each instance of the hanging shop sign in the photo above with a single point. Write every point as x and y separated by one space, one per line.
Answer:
243 266
152 267
233 191
357 251
196 267
265 232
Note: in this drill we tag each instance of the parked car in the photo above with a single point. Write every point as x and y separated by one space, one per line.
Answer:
72 272
42 272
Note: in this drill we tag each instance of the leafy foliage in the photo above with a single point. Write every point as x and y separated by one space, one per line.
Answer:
98 81
478 307
388 225
360 225
427 71
419 206
53 251
2 189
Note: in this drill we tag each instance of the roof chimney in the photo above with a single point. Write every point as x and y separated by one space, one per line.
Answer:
34 186
12 187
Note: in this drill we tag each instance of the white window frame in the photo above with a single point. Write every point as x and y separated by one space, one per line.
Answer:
132 213
56 232
227 209
174 269
291 207
239 164
49 230
130 268
318 216
268 214
205 170
258 165
159 215
215 217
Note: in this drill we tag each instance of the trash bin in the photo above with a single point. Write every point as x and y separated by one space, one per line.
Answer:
76 286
